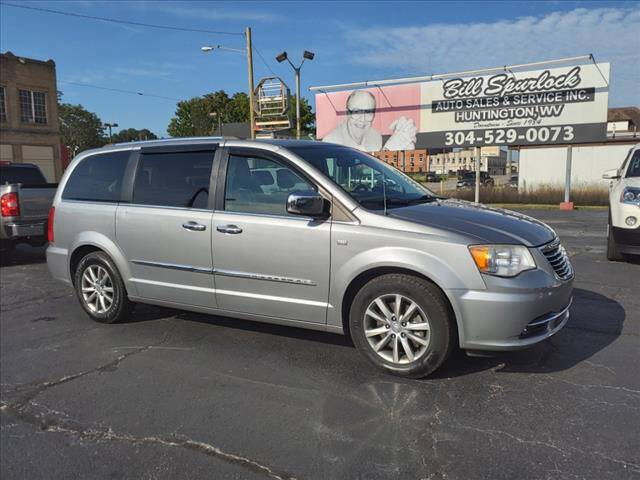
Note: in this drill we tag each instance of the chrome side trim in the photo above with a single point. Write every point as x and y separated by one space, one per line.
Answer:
174 266
298 218
261 276
177 286
272 298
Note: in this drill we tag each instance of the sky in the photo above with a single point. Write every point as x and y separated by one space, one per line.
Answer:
353 41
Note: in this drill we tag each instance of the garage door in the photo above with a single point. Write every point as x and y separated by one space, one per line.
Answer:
43 158
6 152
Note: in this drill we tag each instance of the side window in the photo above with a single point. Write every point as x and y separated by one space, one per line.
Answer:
97 178
178 179
261 186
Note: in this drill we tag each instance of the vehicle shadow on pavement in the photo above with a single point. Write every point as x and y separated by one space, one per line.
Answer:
143 313
23 255
595 322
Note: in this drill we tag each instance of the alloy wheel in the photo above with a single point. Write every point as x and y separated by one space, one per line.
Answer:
397 328
97 289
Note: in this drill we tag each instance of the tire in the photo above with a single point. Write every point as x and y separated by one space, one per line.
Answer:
97 271
430 303
613 254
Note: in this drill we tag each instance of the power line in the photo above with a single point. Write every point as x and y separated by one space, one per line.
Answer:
120 90
115 20
264 61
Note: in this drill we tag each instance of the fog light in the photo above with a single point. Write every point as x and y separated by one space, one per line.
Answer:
631 221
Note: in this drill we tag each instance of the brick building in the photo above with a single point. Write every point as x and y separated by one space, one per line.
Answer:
29 126
408 161
492 160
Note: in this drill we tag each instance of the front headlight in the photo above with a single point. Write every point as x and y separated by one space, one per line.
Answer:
502 260
630 195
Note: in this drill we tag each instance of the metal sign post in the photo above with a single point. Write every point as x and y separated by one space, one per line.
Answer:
567 205
477 196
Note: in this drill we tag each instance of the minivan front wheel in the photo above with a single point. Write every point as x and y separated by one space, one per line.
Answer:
402 324
100 289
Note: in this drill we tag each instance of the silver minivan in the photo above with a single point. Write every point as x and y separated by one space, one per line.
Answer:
306 234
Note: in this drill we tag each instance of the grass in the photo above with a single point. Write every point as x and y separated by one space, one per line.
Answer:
547 195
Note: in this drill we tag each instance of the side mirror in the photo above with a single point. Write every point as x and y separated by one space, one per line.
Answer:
611 174
310 204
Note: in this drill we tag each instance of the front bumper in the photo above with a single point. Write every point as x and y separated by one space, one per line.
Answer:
627 239
512 317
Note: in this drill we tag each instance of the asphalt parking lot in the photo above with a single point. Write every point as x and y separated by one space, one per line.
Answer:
180 395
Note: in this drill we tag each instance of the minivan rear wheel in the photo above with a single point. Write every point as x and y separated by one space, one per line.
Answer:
100 289
402 324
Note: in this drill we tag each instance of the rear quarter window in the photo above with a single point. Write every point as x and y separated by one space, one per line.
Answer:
97 178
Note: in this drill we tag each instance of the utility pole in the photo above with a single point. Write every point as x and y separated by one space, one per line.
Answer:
250 70
249 52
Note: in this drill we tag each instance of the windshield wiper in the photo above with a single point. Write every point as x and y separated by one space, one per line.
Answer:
398 201
411 201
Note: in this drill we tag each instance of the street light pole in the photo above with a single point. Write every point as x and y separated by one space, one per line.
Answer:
249 52
109 125
219 117
298 129
307 55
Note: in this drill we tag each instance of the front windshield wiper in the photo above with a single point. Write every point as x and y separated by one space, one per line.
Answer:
399 201
411 201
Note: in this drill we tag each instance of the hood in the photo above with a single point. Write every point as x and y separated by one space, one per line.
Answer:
486 224
630 182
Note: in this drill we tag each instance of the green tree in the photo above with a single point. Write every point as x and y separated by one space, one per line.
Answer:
192 116
238 108
307 117
133 135
79 128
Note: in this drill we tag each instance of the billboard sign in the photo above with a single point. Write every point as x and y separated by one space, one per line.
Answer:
561 105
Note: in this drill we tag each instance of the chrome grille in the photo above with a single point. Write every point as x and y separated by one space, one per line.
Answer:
558 259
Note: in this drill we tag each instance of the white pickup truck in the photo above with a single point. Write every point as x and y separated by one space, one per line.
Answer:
25 200
623 232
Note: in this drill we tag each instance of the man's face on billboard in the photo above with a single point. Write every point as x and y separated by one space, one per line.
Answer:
360 112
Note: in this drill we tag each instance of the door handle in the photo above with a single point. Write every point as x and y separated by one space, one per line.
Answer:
233 229
196 227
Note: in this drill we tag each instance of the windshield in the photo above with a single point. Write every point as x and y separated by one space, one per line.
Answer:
634 165
365 178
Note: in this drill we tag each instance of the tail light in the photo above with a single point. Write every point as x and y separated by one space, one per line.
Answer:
9 205
52 212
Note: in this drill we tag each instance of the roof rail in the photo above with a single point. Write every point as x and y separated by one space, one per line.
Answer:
170 140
